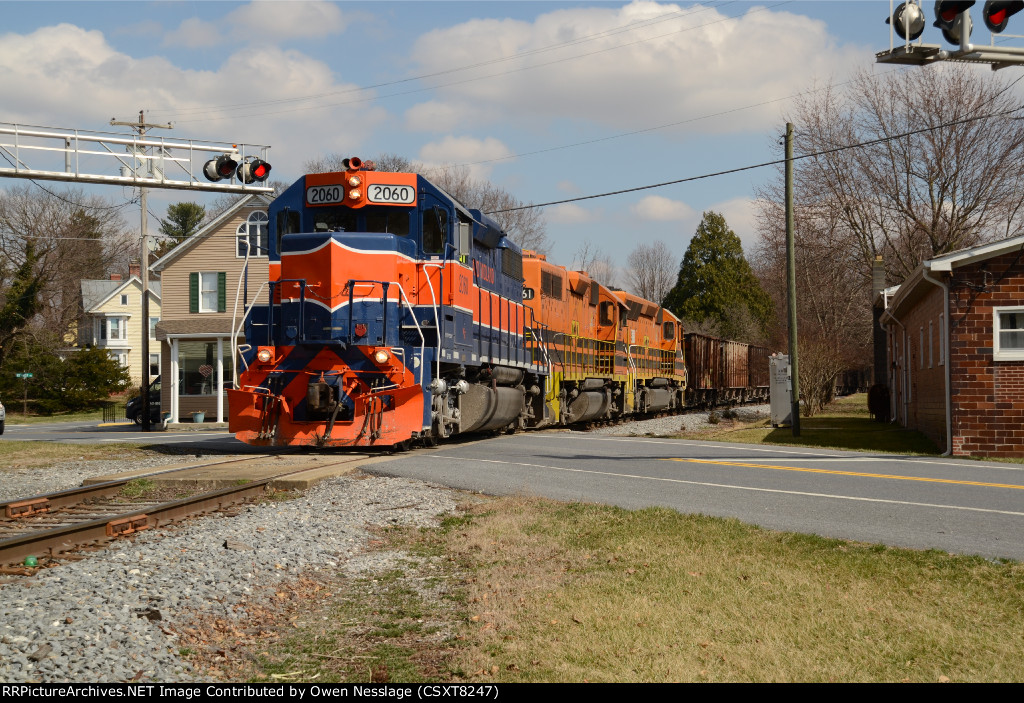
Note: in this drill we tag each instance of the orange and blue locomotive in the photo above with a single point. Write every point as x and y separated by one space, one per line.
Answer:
395 314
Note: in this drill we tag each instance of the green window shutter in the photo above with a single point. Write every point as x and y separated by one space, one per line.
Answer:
193 292
222 291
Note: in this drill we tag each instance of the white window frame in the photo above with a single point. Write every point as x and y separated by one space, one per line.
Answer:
931 344
204 278
249 231
153 321
999 354
124 299
942 339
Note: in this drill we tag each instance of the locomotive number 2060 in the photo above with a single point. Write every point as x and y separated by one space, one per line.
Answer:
401 195
324 195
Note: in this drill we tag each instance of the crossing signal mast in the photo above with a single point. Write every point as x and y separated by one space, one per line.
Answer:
953 19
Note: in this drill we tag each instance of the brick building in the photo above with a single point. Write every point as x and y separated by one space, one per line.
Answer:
955 339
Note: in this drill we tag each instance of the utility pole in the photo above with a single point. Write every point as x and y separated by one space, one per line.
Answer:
791 281
140 127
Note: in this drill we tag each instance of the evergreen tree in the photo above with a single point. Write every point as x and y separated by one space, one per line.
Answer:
182 221
716 284
20 302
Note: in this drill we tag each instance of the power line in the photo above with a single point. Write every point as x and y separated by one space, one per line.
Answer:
776 162
644 130
490 75
639 24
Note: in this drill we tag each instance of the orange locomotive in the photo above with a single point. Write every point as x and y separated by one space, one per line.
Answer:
394 314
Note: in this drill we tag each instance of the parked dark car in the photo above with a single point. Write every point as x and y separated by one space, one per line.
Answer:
133 408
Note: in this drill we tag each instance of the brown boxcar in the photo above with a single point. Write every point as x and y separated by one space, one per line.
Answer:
703 368
757 366
735 375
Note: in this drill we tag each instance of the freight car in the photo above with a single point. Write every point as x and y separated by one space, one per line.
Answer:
395 314
724 372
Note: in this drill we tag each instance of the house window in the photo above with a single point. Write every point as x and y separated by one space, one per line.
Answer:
930 344
152 327
207 291
253 237
124 300
197 364
1008 334
942 339
111 328
154 364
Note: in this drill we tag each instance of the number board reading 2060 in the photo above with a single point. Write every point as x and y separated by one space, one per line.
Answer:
397 195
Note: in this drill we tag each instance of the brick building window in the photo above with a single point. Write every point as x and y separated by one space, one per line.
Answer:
931 344
1008 334
942 339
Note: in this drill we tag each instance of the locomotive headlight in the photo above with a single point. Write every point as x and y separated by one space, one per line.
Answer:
355 194
380 356
264 355
355 181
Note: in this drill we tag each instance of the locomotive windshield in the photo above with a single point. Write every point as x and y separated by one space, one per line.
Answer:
386 220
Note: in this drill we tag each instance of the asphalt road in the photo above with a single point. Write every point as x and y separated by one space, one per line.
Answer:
959 506
955 505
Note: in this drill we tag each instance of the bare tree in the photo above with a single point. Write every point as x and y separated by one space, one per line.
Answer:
596 262
833 314
72 236
525 226
652 271
913 196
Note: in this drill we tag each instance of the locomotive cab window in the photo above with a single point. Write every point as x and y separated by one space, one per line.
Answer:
387 220
669 330
435 230
335 219
288 222
607 315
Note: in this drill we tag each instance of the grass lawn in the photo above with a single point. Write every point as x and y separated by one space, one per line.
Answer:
845 424
528 590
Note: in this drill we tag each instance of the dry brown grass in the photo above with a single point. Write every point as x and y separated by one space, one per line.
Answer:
587 593
528 590
20 455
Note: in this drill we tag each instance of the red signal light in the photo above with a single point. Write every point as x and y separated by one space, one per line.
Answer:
255 171
998 12
947 14
221 167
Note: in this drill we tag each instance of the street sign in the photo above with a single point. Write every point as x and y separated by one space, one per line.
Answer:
23 375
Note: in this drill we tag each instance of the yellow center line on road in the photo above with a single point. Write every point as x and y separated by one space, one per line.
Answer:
848 473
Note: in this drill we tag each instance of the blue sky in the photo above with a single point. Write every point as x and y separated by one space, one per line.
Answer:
477 83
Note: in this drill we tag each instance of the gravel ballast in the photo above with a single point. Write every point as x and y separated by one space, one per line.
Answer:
688 422
113 616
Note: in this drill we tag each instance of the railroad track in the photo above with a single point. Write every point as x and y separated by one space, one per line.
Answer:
51 525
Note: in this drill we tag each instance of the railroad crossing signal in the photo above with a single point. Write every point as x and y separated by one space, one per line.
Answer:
997 13
953 18
908 19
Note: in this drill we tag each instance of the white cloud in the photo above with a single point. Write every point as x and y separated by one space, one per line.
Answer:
274 21
193 33
697 64
568 187
65 75
569 214
464 150
660 208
